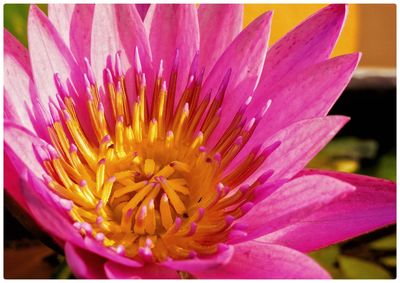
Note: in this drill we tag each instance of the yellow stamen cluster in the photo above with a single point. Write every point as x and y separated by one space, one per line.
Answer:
143 183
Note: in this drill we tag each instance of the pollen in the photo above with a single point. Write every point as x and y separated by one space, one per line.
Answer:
138 173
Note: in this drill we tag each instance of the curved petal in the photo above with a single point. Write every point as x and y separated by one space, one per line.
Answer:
98 248
223 256
74 23
254 260
83 263
371 206
25 188
17 82
18 144
307 94
223 20
300 142
116 271
15 49
42 206
291 203
171 27
49 55
310 42
245 57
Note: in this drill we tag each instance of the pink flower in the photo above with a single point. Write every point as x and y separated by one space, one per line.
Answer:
178 142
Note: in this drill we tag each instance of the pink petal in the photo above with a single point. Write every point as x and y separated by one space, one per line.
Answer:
245 56
119 28
307 94
371 206
98 248
84 264
19 158
310 42
74 23
255 260
223 20
18 84
43 205
18 144
300 142
105 41
44 210
116 271
49 55
60 15
292 202
12 182
142 9
171 27
18 52
223 256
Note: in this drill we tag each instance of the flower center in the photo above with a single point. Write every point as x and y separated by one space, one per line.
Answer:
142 182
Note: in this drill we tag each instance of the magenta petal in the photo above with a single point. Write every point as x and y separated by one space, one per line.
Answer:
306 94
255 260
18 84
84 264
245 57
224 20
12 182
292 202
98 248
371 206
142 10
150 271
223 256
74 23
310 42
18 144
300 142
171 27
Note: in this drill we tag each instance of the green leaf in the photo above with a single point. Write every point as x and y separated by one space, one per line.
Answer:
385 243
344 154
389 261
327 258
386 167
63 271
355 268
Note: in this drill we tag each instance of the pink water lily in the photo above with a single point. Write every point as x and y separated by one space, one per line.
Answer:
151 140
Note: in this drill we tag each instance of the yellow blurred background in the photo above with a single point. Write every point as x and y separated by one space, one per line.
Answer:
370 28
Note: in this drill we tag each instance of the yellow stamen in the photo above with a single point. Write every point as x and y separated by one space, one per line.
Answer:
144 183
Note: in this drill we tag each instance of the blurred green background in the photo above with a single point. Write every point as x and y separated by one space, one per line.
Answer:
366 145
